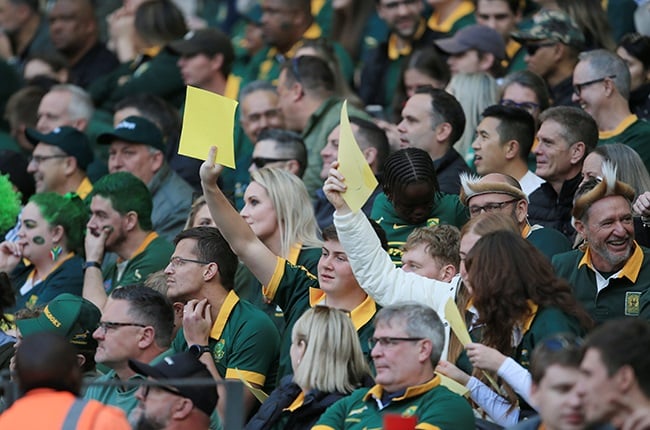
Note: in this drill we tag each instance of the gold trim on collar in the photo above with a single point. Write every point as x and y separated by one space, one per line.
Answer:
630 270
224 313
620 128
377 391
360 315
463 9
84 188
147 240
394 52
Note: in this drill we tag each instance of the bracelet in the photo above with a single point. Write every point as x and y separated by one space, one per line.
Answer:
89 264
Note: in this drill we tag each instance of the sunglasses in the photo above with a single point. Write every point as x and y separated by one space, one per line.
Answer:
532 48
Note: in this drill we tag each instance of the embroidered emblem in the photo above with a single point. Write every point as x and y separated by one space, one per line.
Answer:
632 305
410 411
219 350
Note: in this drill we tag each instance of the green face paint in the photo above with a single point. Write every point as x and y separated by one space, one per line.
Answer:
39 240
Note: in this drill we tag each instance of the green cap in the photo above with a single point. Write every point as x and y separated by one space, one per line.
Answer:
552 25
135 129
70 140
73 317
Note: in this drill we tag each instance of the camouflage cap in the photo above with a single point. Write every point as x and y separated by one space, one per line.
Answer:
552 25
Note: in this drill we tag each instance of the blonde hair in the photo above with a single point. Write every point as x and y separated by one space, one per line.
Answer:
293 208
197 204
333 360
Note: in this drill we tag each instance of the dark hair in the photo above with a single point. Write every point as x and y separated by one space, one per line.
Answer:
255 86
577 125
288 144
445 108
638 46
313 73
22 106
151 308
330 233
624 342
564 349
533 82
54 59
32 4
126 193
157 110
212 247
506 271
513 5
7 297
408 166
514 124
159 22
370 135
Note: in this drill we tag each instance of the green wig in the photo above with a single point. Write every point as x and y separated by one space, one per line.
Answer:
126 193
68 211
9 204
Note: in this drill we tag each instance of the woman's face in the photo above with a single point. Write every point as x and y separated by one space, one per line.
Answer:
203 218
35 235
414 203
414 78
592 167
467 242
296 352
259 212
638 75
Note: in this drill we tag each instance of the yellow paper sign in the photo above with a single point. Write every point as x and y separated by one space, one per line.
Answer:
209 119
456 321
454 386
257 392
359 179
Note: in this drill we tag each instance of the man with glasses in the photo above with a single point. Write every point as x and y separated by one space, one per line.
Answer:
173 405
503 141
231 337
382 68
565 137
601 85
552 46
406 348
279 148
500 193
137 324
60 160
120 222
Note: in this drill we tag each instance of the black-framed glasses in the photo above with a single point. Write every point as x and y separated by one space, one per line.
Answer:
390 341
179 261
105 326
38 159
490 207
577 88
532 48
529 107
260 162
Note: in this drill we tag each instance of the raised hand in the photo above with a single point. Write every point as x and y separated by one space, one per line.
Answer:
210 170
333 188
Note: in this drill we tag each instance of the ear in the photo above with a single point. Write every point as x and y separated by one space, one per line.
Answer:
157 160
80 124
81 360
57 233
609 87
521 210
181 408
147 337
580 227
577 151
217 62
511 149
292 166
424 354
558 52
70 165
297 91
486 61
625 379
447 272
443 131
370 154
130 220
210 272
178 314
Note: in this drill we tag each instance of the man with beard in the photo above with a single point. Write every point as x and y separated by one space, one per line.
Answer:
75 34
120 222
611 272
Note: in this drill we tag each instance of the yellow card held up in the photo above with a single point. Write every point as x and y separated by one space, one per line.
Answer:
258 393
209 119
456 321
359 179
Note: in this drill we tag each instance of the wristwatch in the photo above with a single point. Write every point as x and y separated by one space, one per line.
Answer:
198 350
89 264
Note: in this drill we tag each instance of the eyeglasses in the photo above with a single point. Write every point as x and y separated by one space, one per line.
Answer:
147 388
529 107
38 159
532 48
390 341
577 88
490 207
179 261
105 326
393 5
260 162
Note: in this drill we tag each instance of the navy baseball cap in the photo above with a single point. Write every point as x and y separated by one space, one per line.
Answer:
135 129
70 140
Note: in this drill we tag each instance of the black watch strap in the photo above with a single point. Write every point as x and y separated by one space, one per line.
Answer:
89 264
199 350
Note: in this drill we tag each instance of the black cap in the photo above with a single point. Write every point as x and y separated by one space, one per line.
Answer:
178 366
135 129
70 140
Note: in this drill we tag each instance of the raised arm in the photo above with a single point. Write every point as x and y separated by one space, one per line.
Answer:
252 252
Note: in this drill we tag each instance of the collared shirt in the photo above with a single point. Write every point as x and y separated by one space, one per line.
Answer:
630 270
447 25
